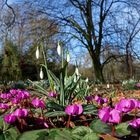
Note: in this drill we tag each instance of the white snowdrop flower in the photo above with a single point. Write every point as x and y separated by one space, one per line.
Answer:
41 73
37 53
96 89
108 86
68 57
77 71
86 80
58 49
75 79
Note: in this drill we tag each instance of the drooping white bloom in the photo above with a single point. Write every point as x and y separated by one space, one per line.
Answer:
77 71
86 80
37 53
41 73
68 57
59 49
75 79
96 89
108 86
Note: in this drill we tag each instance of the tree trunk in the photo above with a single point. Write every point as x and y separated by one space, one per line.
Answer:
129 68
98 69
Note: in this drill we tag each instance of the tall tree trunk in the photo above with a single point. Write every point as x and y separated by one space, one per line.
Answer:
129 68
98 69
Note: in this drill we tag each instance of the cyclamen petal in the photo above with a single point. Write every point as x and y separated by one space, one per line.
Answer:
74 109
79 110
138 85
15 101
13 91
10 118
52 94
89 98
38 103
46 125
104 114
21 112
4 106
5 95
135 123
125 105
100 100
114 116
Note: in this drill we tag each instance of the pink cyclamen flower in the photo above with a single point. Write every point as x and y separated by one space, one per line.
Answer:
89 98
46 125
15 101
135 123
4 106
38 103
104 114
52 94
21 112
41 121
13 91
10 118
125 105
138 85
74 109
138 105
105 100
136 102
22 95
100 100
5 95
114 116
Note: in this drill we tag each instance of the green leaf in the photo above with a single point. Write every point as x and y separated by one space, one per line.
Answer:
54 106
34 135
90 109
99 127
123 129
81 130
10 134
54 78
1 123
61 134
2 137
91 136
55 114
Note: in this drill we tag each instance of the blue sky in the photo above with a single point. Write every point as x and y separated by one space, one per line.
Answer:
11 1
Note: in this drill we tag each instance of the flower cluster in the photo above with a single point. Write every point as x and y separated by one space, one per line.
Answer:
18 113
138 85
75 109
14 96
114 115
38 103
96 98
21 99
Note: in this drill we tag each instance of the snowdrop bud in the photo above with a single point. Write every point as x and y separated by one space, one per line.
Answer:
75 79
86 80
108 86
77 71
96 89
68 57
58 49
37 53
41 73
